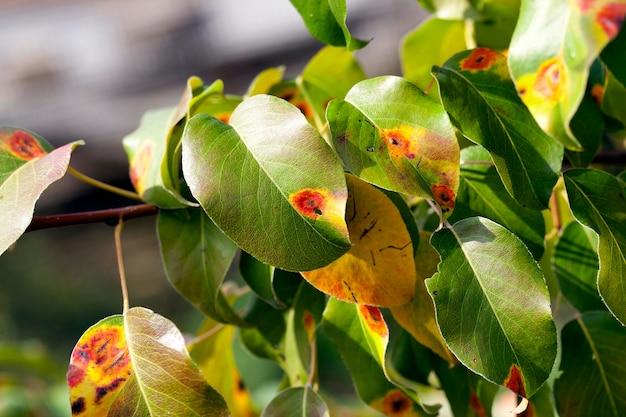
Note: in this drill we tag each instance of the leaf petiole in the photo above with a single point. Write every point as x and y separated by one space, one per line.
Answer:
120 264
103 186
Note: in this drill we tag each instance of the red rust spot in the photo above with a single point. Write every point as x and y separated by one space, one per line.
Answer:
308 320
476 405
549 79
585 5
480 59
374 319
444 196
23 145
223 117
310 202
293 96
396 404
514 381
597 92
401 141
103 350
101 392
611 18
140 165
75 375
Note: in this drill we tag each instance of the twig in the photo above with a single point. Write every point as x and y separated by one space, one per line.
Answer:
108 216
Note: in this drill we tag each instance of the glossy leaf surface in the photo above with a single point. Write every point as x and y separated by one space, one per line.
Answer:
197 256
481 193
28 166
297 402
597 201
493 306
379 268
326 20
117 369
552 75
258 180
482 101
389 133
592 379
575 264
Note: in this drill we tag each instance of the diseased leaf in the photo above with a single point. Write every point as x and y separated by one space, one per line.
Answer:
296 402
257 180
493 306
326 20
197 256
379 268
592 379
597 201
481 193
131 365
389 133
482 101
551 76
28 166
575 264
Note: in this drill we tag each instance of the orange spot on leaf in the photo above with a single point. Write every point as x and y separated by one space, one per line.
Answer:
514 381
597 92
549 79
23 145
310 202
476 405
402 141
480 59
444 196
374 319
396 404
294 97
223 117
611 18
140 165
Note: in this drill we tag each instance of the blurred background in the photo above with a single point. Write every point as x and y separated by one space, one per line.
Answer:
71 70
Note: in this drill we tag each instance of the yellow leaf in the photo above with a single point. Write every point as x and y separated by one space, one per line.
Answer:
379 269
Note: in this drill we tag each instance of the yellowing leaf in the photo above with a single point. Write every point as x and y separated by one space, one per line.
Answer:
379 268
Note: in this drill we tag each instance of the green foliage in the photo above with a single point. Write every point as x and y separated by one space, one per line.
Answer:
279 212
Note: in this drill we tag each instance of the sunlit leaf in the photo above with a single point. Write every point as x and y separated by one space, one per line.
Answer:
28 165
498 19
493 306
592 379
258 179
418 316
450 9
296 402
597 201
482 193
482 101
197 256
389 133
361 336
551 76
131 364
265 80
575 264
216 359
379 268
326 20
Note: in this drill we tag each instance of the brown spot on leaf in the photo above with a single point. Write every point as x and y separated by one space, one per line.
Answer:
310 202
23 145
611 18
78 406
75 375
480 59
444 196
514 381
374 320
396 404
102 391
308 320
597 92
402 141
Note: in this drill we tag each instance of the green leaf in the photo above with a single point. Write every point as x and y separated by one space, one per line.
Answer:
575 264
431 43
597 201
614 58
493 306
592 379
258 179
259 277
566 38
26 170
389 133
326 20
482 101
451 9
131 364
498 19
197 256
265 80
481 193
296 402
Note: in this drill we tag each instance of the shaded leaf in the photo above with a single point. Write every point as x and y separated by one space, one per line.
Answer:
389 133
26 170
597 201
614 58
575 264
481 193
197 256
379 268
493 306
296 402
326 20
259 277
131 364
592 379
266 337
552 76
482 101
468 395
257 179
